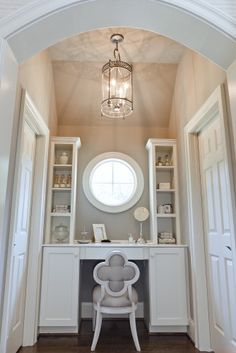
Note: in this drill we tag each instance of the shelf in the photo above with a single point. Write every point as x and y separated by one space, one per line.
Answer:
166 215
60 214
62 166
165 190
61 189
170 167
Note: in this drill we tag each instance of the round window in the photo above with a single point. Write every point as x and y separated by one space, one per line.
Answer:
113 182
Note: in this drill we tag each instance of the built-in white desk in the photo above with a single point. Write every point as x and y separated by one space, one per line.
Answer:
165 283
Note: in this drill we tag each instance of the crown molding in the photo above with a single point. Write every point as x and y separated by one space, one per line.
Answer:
26 15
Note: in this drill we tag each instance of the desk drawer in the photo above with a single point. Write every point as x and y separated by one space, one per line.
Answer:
95 253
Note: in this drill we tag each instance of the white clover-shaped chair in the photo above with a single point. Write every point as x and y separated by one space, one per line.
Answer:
115 294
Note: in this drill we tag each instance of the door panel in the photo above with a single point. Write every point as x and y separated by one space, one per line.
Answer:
231 289
224 202
16 300
217 295
210 201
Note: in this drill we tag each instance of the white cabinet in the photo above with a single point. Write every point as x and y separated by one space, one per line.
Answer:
163 191
60 289
62 182
166 293
168 287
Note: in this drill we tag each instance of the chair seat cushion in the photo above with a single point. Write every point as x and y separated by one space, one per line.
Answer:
110 301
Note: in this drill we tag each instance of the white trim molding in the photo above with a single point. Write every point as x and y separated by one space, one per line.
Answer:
29 114
37 123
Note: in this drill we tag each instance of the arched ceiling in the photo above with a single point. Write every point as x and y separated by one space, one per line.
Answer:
139 46
77 63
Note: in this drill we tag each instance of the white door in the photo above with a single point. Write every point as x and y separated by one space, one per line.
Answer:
20 241
219 231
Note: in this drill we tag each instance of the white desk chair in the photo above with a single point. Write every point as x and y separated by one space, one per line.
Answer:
115 294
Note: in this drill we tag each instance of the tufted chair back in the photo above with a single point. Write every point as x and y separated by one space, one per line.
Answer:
116 274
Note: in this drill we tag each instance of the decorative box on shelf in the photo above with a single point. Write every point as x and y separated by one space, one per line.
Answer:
166 238
163 186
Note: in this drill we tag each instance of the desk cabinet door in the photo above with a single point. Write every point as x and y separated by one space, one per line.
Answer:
168 287
60 284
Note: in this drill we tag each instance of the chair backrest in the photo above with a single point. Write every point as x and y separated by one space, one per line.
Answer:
116 273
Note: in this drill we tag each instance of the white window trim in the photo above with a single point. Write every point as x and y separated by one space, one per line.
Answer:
107 208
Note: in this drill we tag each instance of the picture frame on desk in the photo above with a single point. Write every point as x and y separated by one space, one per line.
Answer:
99 232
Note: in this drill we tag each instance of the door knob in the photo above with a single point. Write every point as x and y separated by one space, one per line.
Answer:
228 247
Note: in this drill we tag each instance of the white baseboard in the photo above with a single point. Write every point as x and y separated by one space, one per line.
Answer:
87 310
168 329
191 330
58 329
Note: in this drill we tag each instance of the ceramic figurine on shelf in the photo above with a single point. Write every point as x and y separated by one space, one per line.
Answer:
159 162
131 238
63 159
167 161
56 182
161 209
68 181
62 181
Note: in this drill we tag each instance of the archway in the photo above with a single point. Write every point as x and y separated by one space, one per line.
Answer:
45 24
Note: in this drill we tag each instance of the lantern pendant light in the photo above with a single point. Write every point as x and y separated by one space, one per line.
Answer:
117 85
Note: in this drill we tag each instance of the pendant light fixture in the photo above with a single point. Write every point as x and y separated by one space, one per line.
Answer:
117 82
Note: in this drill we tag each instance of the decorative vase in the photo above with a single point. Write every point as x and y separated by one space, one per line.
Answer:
63 158
61 233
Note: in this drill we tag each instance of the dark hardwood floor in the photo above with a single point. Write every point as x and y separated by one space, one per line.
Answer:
115 337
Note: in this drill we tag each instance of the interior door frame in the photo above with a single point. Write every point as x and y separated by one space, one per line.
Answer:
216 103
29 114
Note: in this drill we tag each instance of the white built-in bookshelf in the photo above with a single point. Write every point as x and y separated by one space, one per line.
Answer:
61 196
163 191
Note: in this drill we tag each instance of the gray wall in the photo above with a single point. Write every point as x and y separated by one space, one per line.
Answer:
196 79
96 140
36 76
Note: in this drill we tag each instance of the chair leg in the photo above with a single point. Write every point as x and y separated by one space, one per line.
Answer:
94 319
97 330
134 331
